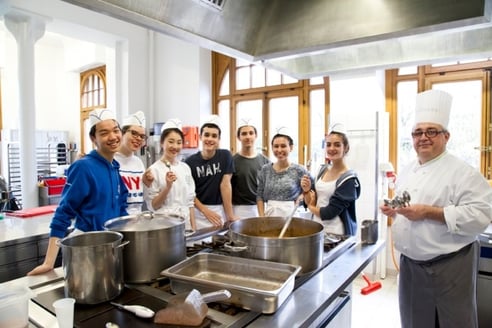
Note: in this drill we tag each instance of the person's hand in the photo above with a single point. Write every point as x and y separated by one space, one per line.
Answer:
147 177
40 269
387 210
414 212
312 198
305 183
213 217
170 178
232 218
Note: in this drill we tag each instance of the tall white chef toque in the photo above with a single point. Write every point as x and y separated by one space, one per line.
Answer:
433 106
172 123
100 114
137 119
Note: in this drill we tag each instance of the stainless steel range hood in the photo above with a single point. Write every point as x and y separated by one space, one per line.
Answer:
307 38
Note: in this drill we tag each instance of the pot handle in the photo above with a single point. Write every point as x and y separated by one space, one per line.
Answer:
126 242
235 249
146 215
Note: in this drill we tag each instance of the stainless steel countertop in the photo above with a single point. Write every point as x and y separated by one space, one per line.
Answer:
302 308
307 302
17 230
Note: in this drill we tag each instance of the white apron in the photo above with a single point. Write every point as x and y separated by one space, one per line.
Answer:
203 222
245 211
279 208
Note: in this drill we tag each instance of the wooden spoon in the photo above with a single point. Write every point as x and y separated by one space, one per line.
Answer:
287 222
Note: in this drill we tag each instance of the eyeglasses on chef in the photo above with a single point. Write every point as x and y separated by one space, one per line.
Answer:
135 134
429 133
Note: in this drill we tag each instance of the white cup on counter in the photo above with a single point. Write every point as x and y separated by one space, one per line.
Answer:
64 310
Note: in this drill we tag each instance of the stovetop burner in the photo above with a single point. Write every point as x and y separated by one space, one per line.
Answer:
216 244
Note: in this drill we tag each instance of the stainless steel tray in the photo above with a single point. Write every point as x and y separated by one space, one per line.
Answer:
255 285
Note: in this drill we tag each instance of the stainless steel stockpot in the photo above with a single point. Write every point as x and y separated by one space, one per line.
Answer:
302 243
93 266
156 242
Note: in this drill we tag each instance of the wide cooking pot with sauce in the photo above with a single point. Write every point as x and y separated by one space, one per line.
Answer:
93 266
156 243
302 243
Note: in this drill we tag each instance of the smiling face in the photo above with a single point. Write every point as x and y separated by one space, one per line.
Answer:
210 138
336 147
428 148
281 147
107 138
133 138
171 144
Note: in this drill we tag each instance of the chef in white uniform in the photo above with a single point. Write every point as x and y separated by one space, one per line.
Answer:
437 233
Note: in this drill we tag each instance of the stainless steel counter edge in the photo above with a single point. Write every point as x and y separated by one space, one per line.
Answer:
301 309
15 230
308 302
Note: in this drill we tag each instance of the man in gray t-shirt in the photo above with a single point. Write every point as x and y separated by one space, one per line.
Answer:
247 164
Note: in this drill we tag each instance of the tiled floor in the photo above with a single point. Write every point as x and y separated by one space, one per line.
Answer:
377 309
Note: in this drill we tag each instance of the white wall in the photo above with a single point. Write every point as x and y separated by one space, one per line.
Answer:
148 71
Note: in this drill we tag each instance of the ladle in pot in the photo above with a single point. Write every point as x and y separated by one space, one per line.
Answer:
287 222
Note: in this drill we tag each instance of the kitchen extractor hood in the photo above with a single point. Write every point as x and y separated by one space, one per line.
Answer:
318 37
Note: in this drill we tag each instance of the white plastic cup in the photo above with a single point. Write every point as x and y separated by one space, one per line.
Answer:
64 309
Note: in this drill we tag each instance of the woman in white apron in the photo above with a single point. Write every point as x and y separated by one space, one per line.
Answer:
332 201
279 183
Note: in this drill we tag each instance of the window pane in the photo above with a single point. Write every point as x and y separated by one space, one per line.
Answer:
273 77
225 130
284 112
240 62
317 132
408 70
224 88
251 110
97 82
102 97
406 92
258 73
288 79
84 100
465 119
243 78
316 80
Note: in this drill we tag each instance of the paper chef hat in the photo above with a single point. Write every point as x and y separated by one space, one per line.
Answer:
173 123
100 114
213 119
246 121
433 106
338 127
137 119
283 130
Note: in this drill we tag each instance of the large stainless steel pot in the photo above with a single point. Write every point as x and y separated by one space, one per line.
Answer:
156 243
92 266
301 245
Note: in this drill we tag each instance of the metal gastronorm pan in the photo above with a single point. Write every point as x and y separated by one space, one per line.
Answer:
255 285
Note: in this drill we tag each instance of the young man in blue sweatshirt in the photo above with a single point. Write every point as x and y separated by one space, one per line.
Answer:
94 192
